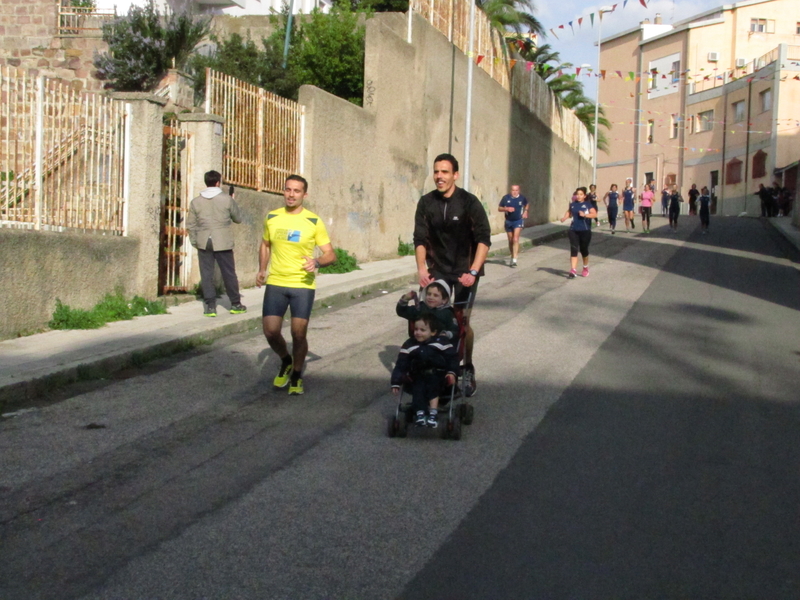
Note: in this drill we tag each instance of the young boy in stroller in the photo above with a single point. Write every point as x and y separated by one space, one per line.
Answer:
435 301
428 361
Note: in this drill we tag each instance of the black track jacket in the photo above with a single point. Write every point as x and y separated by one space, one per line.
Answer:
450 229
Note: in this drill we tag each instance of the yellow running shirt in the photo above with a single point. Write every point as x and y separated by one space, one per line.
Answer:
291 237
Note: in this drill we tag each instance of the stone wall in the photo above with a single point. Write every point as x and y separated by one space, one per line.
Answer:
29 40
367 167
79 269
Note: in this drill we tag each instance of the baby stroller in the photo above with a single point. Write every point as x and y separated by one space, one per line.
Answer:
453 408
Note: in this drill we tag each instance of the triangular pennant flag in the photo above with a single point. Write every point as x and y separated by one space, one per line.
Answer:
571 27
577 70
511 63
580 20
591 18
613 8
625 3
619 74
631 75
528 66
561 27
643 3
480 58
603 73
554 34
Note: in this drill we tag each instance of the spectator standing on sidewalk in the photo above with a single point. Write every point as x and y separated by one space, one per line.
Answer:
452 237
290 235
209 223
515 208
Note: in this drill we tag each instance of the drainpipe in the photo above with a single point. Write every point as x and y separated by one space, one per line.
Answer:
747 144
723 175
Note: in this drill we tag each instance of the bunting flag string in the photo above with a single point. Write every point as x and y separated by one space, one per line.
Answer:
599 14
682 118
684 148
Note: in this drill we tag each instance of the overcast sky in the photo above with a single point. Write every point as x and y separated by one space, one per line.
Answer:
580 49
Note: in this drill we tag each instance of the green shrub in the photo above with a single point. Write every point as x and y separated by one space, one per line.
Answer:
143 45
403 248
345 262
65 317
113 307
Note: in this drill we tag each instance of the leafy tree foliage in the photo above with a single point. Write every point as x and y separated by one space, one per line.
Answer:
330 53
326 50
143 45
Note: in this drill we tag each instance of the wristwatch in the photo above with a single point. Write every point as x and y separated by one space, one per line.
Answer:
473 272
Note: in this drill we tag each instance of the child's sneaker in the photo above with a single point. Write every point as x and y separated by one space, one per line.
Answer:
433 420
572 274
420 420
585 272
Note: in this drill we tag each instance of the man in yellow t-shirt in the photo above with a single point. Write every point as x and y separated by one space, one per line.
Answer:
290 235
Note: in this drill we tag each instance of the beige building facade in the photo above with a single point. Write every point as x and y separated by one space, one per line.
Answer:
712 101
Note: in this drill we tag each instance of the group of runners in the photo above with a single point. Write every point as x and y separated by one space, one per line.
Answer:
452 237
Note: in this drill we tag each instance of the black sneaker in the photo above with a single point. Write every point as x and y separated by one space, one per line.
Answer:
421 420
210 311
238 309
433 420
470 383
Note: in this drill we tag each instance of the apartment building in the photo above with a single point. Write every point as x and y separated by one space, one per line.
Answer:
713 100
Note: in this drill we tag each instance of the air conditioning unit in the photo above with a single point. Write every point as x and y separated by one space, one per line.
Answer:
741 63
713 56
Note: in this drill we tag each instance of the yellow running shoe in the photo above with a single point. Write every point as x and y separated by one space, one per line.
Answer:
282 378
296 389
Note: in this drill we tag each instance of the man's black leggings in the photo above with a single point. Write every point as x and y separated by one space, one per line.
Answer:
579 240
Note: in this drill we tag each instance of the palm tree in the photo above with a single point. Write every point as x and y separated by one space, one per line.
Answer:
584 109
511 15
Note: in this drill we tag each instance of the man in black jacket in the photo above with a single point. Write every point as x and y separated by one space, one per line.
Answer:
452 237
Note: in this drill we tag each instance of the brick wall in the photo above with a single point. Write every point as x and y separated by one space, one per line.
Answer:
29 40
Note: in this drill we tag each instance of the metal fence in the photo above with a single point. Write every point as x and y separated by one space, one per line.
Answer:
263 133
451 17
62 156
175 253
78 21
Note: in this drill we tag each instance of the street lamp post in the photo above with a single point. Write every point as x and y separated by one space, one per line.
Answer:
603 9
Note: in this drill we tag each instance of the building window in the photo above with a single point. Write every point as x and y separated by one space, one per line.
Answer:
797 28
651 130
738 111
759 164
671 179
766 100
673 130
705 121
733 172
652 83
762 26
676 71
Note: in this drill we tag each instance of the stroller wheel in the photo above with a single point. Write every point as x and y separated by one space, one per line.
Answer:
394 427
402 427
453 428
467 413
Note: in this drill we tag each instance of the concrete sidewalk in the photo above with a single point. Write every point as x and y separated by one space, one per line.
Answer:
32 365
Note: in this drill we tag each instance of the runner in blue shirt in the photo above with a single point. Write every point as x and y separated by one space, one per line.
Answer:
515 207
580 232
628 198
705 209
611 200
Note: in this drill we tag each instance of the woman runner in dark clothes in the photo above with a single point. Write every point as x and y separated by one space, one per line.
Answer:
705 209
611 200
580 232
674 208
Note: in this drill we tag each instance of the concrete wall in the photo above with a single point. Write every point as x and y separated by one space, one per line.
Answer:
40 266
367 167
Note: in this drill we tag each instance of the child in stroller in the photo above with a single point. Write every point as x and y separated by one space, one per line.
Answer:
435 301
427 362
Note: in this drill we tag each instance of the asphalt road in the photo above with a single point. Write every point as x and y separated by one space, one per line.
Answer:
635 437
